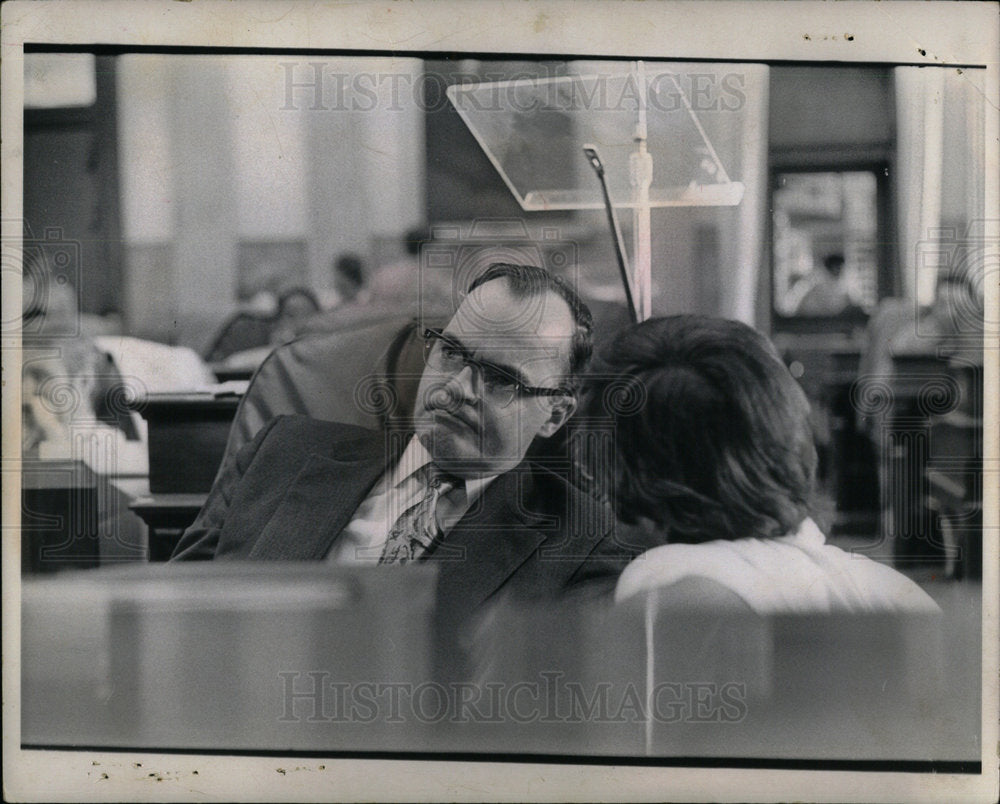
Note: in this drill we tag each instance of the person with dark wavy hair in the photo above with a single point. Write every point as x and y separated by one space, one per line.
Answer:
715 464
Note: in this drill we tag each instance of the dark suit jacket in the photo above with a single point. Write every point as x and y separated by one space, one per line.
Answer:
290 492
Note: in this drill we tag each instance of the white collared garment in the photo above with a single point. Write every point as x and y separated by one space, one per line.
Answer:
795 574
362 539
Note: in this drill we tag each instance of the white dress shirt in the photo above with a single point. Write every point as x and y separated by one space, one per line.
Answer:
361 542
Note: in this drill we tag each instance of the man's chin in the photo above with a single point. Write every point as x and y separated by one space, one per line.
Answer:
458 452
449 445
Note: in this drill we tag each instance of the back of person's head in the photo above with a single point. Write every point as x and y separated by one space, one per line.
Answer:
958 303
531 281
715 442
349 276
297 302
415 238
834 263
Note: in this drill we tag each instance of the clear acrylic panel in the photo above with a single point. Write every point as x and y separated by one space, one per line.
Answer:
534 132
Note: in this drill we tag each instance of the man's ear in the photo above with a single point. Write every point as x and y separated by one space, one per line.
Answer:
562 408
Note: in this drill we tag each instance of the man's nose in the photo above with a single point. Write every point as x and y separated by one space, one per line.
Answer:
466 382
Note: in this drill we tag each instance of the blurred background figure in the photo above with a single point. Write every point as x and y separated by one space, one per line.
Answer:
828 294
295 307
350 281
66 377
397 288
951 325
953 320
42 423
957 309
253 331
77 372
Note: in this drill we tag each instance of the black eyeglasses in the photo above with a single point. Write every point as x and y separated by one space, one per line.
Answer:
445 354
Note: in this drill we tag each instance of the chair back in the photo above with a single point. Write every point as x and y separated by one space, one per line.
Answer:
366 375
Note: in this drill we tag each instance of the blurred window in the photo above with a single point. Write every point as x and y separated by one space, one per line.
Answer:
825 236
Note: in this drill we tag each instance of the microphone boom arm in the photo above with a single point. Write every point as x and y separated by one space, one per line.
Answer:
595 162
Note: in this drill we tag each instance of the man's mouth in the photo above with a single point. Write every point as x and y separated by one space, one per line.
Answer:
456 415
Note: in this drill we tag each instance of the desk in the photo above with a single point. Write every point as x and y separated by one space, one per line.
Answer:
225 373
59 516
187 438
167 516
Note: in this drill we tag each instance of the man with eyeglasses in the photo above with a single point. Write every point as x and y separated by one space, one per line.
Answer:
461 492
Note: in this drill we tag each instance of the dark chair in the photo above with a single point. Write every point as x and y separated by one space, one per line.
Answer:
241 332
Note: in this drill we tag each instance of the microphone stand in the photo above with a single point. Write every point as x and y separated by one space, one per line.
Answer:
595 162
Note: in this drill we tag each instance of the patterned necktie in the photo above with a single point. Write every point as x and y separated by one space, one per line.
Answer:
416 529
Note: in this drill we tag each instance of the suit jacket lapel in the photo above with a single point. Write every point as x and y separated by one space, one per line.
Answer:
490 542
320 503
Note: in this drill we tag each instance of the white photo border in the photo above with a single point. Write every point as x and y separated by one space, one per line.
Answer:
915 33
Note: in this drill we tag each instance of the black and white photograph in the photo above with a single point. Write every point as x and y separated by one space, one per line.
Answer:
500 401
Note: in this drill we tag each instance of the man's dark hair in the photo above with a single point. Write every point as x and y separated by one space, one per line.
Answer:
715 442
529 280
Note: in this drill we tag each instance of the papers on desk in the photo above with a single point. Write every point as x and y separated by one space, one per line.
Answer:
105 450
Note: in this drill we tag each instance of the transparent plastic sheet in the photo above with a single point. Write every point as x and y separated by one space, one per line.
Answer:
534 132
